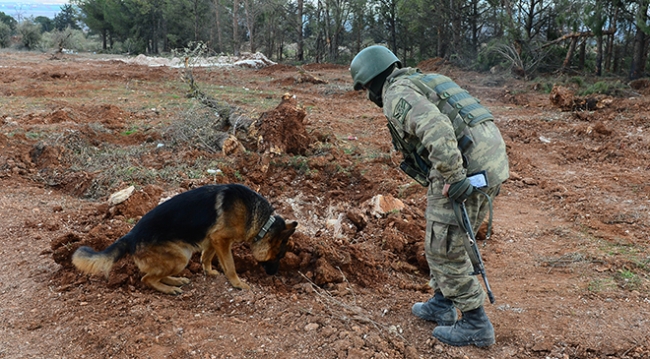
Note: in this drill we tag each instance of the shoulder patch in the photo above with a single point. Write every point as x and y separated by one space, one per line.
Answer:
401 110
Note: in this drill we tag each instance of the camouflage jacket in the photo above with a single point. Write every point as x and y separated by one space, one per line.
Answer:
416 117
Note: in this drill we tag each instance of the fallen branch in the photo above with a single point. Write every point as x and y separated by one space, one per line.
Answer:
575 35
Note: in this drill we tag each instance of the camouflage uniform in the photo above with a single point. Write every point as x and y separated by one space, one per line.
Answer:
418 119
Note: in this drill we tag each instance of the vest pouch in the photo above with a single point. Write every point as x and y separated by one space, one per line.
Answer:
415 173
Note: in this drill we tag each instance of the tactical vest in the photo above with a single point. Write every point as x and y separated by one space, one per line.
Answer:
463 110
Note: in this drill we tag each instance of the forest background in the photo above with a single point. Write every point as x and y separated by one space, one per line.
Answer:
526 37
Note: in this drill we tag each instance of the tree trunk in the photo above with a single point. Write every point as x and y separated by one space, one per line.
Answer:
393 27
599 55
300 52
439 49
235 26
456 26
217 14
609 50
569 54
196 20
530 18
610 41
250 25
583 55
637 69
104 38
475 27
615 60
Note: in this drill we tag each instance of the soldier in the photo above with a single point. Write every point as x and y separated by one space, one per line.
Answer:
451 145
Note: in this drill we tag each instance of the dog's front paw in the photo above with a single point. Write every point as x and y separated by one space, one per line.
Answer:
211 272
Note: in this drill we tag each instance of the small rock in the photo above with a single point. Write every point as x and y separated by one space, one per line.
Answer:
358 219
121 196
530 181
381 205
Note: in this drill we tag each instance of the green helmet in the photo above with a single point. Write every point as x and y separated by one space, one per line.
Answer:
369 63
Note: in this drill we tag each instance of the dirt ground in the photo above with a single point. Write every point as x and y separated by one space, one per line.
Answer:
568 260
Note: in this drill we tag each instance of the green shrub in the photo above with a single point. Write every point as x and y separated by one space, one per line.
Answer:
577 80
615 88
70 39
5 35
30 34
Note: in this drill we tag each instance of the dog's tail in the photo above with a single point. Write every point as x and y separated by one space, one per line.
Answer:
90 262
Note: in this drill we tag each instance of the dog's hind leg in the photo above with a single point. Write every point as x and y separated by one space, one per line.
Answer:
160 263
175 281
156 283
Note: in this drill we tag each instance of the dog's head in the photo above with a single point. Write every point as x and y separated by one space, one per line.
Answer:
272 248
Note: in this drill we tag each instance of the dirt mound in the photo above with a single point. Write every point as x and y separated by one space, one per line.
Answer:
276 69
320 67
432 65
282 130
565 99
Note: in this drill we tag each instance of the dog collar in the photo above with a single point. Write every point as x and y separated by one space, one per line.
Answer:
265 228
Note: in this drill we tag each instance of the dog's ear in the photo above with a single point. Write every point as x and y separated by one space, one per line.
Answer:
290 228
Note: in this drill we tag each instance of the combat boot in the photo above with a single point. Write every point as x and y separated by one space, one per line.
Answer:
437 309
474 328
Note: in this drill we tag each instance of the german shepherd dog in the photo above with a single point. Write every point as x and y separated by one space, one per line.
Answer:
207 219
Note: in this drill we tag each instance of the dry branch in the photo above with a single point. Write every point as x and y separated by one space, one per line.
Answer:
575 35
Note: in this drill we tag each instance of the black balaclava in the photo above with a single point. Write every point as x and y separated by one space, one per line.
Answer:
376 86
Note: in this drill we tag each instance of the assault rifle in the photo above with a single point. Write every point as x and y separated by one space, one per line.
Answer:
472 250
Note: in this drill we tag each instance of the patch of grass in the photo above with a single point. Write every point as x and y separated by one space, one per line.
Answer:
602 285
351 149
631 262
299 163
577 80
629 280
112 165
198 127
244 95
344 170
543 87
627 250
321 148
615 88
566 260
33 135
133 129
376 155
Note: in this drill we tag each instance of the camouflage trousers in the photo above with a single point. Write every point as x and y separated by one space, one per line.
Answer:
449 265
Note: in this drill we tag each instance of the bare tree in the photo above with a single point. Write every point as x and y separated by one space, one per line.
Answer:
637 68
217 14
300 54
235 27
388 10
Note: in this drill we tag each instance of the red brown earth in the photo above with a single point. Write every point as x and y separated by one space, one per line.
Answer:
568 260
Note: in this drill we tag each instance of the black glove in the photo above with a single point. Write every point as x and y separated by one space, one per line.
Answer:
459 191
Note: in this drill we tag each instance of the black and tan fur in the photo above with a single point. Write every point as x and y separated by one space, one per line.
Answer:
207 219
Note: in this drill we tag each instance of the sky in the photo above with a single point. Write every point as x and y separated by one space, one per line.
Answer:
19 9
